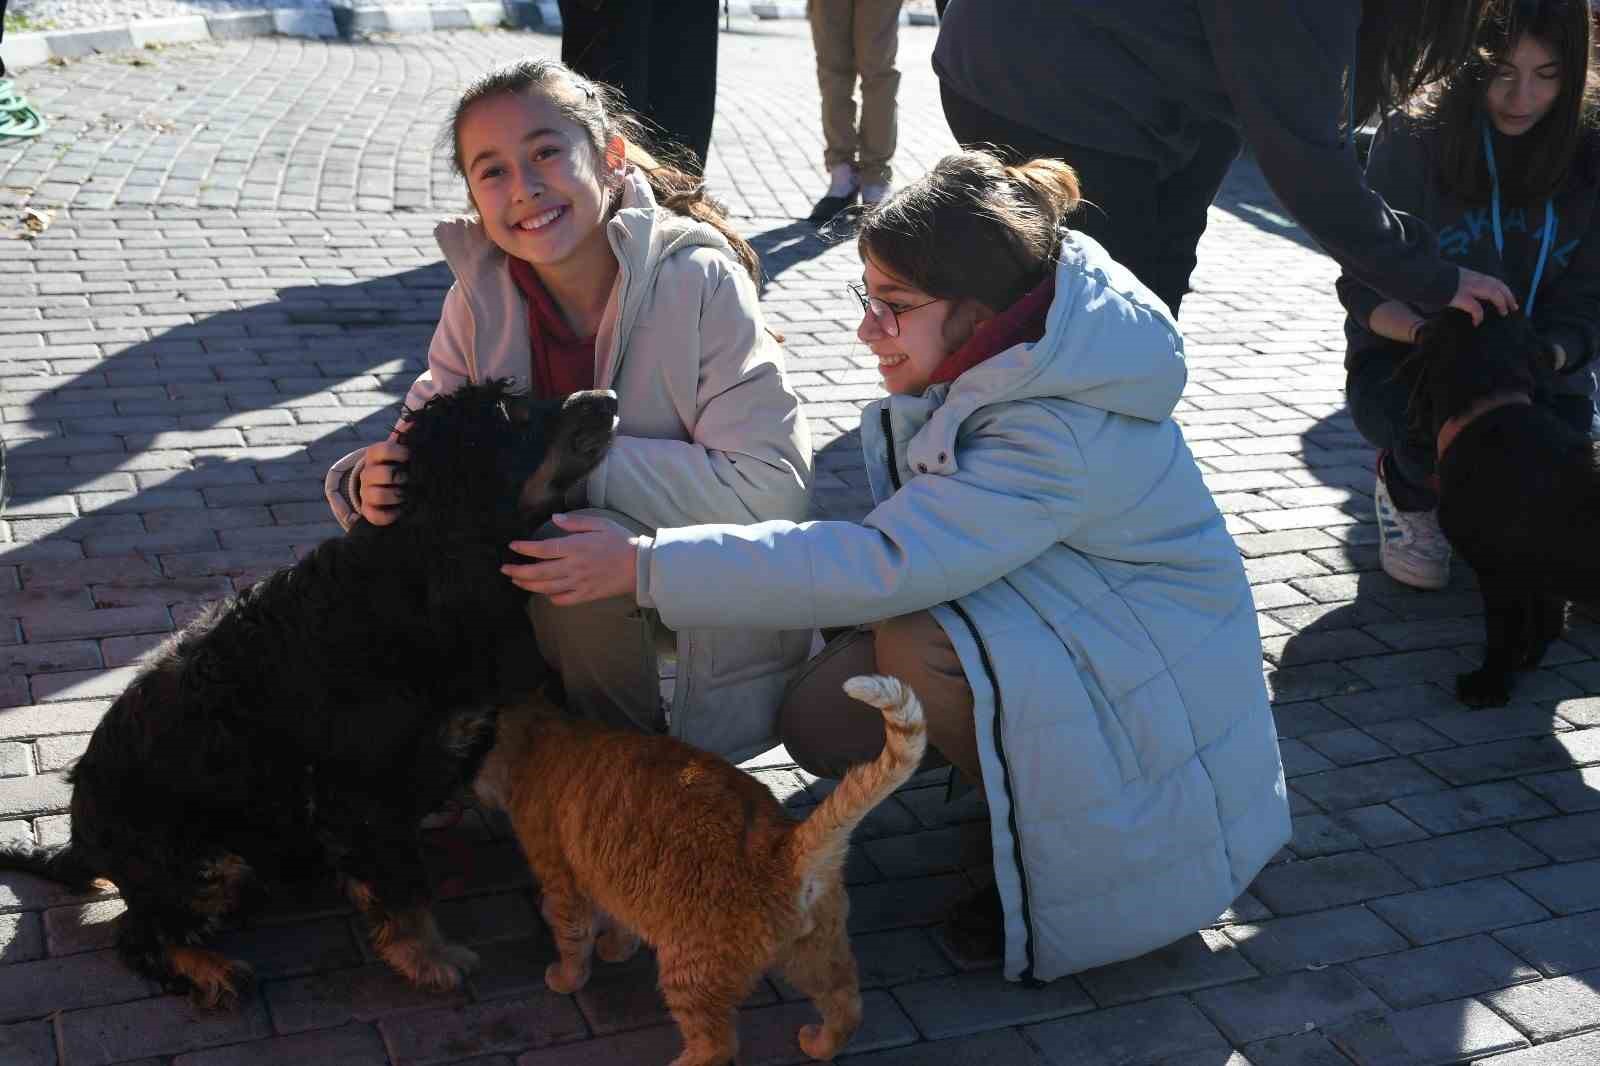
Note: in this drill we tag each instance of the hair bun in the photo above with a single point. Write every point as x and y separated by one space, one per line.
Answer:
1051 181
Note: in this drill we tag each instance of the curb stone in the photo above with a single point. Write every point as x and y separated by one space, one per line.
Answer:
21 50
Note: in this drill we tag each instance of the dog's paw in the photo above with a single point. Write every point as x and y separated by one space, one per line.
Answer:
562 983
441 966
1483 688
446 967
222 988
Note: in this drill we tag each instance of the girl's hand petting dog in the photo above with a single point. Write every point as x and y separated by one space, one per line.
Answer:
378 488
594 561
1473 290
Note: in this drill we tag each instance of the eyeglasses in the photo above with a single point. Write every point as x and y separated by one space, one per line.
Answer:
887 317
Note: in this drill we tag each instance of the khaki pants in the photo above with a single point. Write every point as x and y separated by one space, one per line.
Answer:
604 651
827 732
857 37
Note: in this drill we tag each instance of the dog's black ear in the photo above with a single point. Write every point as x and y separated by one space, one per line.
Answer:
1463 363
1444 332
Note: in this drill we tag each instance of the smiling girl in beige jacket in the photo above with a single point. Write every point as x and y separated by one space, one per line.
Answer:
571 249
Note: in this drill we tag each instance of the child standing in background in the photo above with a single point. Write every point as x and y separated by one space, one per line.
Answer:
1502 161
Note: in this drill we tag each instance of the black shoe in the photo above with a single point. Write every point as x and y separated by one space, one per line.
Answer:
973 934
829 206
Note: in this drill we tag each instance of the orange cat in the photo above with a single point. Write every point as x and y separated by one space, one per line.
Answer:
696 857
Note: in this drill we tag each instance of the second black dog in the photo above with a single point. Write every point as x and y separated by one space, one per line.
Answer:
314 719
1519 490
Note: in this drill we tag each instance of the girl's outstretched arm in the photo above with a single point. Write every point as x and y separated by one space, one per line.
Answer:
596 560
936 539
1283 66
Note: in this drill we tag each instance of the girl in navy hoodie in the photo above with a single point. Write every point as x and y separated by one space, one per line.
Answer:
1502 161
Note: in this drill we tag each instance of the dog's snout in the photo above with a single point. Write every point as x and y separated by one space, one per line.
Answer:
602 400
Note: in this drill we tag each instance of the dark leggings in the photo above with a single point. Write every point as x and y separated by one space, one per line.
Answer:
1149 223
1379 400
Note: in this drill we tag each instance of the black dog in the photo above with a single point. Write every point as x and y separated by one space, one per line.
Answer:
314 719
1519 490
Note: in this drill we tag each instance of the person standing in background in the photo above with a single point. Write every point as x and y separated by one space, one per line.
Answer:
856 38
661 54
1150 100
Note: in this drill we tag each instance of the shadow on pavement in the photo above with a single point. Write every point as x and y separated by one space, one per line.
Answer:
841 489
1476 816
1246 196
190 464
1441 631
791 244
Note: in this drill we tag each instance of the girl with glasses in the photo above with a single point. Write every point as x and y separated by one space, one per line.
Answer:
1044 566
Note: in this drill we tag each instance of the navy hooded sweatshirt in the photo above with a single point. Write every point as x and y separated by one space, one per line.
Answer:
1151 79
1404 167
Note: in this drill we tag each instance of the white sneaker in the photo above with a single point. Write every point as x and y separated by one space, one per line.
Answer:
842 181
842 190
1411 546
874 192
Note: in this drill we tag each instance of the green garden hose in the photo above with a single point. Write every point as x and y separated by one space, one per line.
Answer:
17 116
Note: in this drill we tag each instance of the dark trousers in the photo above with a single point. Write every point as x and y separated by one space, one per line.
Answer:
662 55
1379 401
1148 223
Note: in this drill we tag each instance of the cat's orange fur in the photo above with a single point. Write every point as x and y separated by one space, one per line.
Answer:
686 851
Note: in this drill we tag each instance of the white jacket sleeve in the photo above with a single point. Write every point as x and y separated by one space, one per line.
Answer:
749 456
938 538
450 364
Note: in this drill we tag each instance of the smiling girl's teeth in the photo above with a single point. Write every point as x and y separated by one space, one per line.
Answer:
887 362
540 221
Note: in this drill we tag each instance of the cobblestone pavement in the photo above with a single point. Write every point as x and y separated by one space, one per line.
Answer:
236 284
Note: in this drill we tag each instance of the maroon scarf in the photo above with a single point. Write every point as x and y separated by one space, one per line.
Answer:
1021 322
563 362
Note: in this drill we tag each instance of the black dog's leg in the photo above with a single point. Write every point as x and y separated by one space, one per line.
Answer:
1548 618
168 915
1505 620
380 861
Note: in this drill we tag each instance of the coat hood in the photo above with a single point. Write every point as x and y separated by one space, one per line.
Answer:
1109 343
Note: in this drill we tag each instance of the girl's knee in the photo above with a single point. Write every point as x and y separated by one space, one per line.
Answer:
915 648
818 724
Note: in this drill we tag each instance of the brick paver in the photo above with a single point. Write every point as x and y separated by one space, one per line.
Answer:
237 283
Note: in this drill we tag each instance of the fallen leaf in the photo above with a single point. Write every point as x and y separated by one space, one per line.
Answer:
36 221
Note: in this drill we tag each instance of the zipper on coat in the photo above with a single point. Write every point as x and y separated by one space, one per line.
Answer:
999 749
888 440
